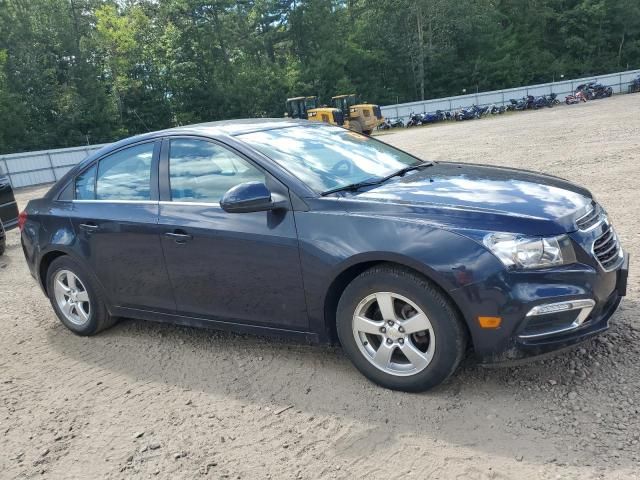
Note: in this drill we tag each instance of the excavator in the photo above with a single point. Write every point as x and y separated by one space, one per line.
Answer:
359 117
307 108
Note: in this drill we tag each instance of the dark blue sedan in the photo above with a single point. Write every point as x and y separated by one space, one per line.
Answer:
307 230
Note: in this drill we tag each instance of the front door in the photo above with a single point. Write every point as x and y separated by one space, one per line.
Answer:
115 217
240 267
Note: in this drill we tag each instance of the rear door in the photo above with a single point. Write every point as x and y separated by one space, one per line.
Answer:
8 205
115 217
243 267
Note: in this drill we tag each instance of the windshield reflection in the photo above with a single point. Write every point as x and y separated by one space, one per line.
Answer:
328 157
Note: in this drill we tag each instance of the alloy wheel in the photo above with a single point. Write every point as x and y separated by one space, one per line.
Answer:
393 334
72 297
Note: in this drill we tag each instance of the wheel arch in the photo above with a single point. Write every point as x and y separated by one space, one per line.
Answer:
43 267
47 259
349 272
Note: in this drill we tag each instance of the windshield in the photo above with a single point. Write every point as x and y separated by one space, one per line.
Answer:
326 158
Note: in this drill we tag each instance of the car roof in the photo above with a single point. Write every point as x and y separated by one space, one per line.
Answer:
228 128
236 127
210 129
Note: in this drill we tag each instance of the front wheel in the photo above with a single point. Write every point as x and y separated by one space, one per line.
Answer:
399 330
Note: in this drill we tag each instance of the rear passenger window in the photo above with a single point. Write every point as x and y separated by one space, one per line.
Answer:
86 184
126 175
201 171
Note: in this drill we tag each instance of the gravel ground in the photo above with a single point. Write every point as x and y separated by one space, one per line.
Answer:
145 399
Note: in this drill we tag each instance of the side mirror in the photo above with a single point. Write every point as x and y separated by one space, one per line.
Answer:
251 197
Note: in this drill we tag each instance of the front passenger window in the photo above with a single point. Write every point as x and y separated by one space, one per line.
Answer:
201 171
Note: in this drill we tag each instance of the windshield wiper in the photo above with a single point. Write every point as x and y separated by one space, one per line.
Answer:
352 187
405 170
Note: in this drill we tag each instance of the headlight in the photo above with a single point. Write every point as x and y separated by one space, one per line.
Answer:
526 252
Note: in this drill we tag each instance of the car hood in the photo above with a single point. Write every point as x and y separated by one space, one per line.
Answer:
482 197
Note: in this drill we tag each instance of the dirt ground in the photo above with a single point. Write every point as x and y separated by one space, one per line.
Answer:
146 399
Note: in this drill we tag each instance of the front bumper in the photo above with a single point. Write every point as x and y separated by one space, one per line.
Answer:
592 294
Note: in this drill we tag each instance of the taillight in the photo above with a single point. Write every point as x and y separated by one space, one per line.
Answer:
22 219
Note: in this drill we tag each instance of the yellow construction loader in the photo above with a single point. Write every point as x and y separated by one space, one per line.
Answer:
307 108
359 117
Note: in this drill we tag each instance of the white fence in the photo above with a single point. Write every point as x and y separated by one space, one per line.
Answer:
46 166
618 81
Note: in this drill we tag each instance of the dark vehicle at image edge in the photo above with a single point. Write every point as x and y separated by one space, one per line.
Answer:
312 231
8 210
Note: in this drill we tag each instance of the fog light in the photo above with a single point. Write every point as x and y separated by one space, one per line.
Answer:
490 322
561 307
553 308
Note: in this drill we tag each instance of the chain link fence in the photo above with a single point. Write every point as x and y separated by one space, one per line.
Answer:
619 82
46 166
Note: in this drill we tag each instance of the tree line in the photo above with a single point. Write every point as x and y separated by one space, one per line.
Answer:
74 72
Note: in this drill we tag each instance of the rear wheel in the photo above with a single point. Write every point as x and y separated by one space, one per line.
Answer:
367 132
399 330
75 298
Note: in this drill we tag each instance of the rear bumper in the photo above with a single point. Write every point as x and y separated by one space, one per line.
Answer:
580 306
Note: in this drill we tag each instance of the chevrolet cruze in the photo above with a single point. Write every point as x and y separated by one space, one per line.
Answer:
312 231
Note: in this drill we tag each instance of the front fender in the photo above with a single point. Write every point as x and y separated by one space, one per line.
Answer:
333 242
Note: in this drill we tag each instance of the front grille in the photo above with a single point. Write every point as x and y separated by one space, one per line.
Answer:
606 249
592 218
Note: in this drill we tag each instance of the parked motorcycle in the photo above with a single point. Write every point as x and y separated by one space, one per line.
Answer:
577 97
468 113
483 111
414 120
634 86
438 116
595 90
541 102
518 105
601 91
389 124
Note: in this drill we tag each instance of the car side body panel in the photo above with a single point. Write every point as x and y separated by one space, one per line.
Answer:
413 244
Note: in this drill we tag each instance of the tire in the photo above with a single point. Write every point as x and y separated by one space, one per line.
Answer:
355 126
367 132
442 346
96 317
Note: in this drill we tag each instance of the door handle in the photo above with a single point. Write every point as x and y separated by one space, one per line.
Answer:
180 236
89 227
